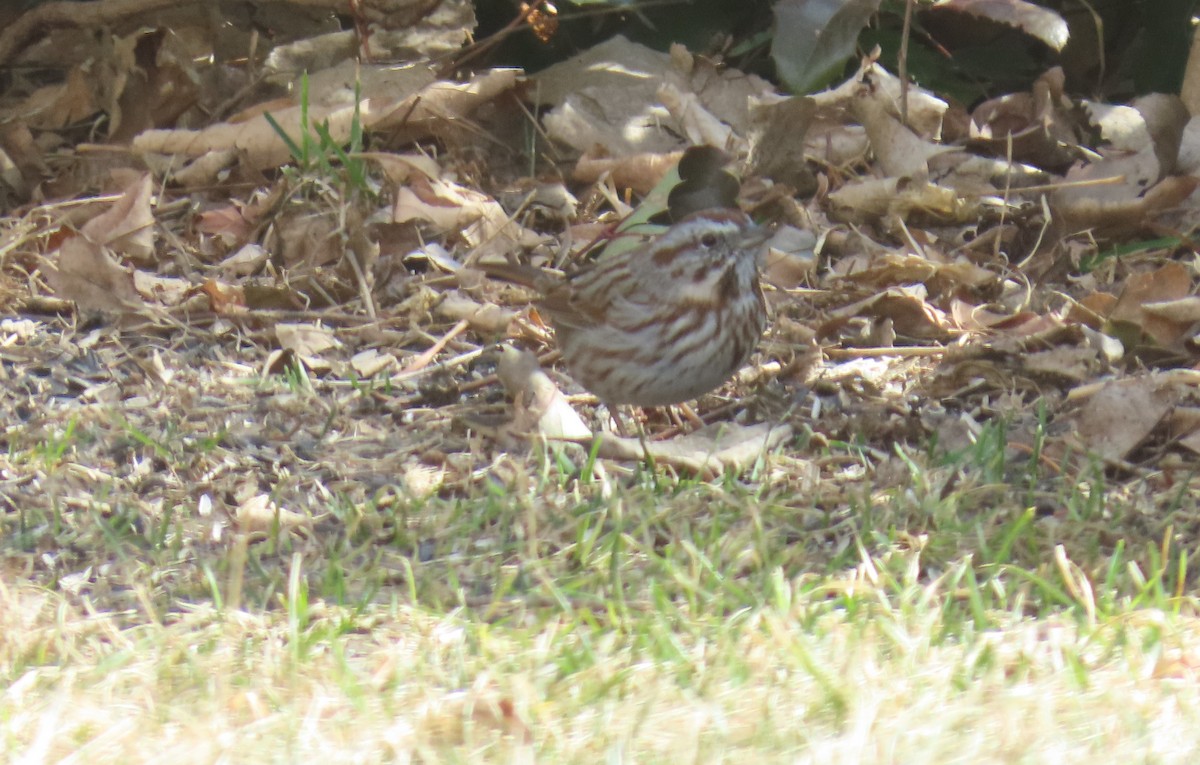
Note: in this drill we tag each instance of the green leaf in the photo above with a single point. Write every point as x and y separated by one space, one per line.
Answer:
813 39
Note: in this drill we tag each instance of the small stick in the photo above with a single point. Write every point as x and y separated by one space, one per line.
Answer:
423 359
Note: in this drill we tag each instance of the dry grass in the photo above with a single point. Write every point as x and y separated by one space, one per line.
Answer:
398 684
852 606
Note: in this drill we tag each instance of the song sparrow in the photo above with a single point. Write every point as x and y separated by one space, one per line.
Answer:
661 323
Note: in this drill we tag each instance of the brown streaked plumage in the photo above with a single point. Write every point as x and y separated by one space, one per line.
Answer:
665 322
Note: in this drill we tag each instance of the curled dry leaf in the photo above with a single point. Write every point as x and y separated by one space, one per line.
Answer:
1188 162
487 318
1074 364
399 168
860 201
261 514
409 100
245 261
1121 127
1154 305
1166 288
127 226
56 106
227 223
371 362
710 451
905 308
25 165
1184 425
399 30
789 260
640 172
908 268
699 125
925 110
540 407
86 273
900 151
1034 127
224 298
164 290
1122 191
427 112
309 237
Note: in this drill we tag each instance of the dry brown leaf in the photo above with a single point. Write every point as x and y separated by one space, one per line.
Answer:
224 298
228 222
908 268
478 218
1066 363
1169 284
309 238
372 362
789 260
1124 190
487 318
983 318
400 167
710 451
426 112
56 106
1113 421
1034 127
305 340
607 96
86 274
1183 425
859 201
925 110
640 172
412 104
127 226
164 290
904 308
27 157
1184 311
700 126
244 262
901 153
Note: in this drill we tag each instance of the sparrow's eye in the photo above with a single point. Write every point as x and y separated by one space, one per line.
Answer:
709 240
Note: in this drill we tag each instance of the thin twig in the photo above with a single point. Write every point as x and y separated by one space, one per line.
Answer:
903 63
422 359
